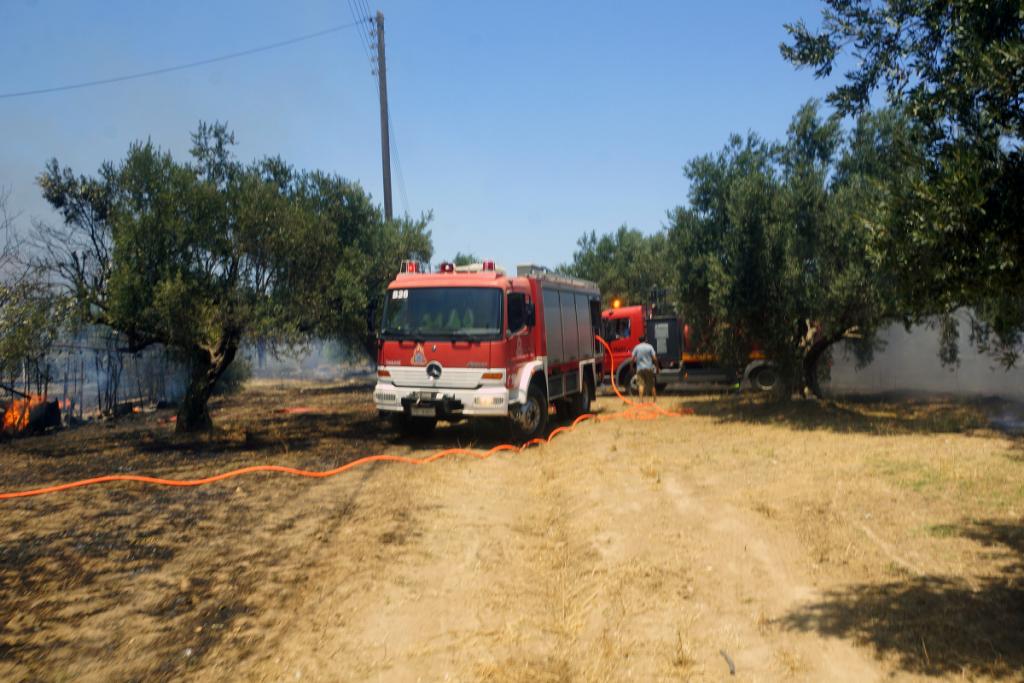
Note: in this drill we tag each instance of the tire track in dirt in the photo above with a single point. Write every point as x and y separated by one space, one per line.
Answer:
535 567
463 581
582 560
747 586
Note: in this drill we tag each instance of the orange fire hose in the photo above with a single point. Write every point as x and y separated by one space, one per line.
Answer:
634 410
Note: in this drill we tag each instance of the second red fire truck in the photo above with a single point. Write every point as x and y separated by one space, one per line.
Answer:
679 351
472 341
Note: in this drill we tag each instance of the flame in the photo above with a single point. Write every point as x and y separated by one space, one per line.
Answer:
18 412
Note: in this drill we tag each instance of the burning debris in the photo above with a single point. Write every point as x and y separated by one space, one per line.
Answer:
93 376
30 415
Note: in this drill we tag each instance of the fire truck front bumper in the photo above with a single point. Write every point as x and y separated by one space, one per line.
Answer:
487 401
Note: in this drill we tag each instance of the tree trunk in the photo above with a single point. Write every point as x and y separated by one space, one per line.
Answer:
811 360
207 367
370 340
788 383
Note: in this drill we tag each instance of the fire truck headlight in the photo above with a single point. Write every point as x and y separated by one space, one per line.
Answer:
488 401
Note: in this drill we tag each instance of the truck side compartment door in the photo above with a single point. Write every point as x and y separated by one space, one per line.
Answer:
584 328
552 326
570 332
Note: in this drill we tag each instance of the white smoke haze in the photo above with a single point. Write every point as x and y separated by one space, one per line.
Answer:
92 375
320 361
910 363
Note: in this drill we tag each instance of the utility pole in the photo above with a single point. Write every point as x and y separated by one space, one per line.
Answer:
385 142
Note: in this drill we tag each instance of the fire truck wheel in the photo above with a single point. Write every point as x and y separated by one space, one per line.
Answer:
413 426
578 404
581 401
627 381
764 378
529 420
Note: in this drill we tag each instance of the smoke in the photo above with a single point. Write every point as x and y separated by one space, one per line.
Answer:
90 372
909 362
320 360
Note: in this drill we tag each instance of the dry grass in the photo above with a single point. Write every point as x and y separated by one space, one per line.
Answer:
909 512
789 661
639 548
651 469
683 657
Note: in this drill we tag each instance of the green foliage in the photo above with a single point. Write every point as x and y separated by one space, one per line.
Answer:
31 319
626 264
32 314
200 255
369 252
957 70
777 248
728 277
464 259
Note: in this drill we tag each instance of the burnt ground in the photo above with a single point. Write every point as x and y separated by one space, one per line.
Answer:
81 572
855 540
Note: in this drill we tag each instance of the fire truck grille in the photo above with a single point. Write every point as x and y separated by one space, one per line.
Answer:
451 378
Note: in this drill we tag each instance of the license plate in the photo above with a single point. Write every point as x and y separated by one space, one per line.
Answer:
423 411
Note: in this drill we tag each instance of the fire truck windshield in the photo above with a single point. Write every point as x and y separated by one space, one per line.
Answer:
443 313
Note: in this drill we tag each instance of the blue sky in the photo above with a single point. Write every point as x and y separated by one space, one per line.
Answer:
520 125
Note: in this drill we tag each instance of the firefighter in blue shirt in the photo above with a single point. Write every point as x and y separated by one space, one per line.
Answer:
645 360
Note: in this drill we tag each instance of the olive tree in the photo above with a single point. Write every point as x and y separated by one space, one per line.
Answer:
626 264
778 246
202 255
957 71
32 313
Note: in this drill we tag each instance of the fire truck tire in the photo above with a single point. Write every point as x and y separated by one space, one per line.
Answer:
626 380
414 426
574 406
581 401
764 378
533 415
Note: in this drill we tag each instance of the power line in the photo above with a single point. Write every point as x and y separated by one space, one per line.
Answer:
362 35
366 10
398 166
180 67
361 12
394 140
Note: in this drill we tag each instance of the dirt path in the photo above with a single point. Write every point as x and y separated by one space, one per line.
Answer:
575 562
665 550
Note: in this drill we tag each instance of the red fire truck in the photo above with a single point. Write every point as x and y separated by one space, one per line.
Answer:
471 341
679 351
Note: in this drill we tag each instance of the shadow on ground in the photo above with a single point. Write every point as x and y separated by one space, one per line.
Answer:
882 414
935 625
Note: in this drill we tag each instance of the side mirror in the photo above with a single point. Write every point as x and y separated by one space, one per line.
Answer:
531 315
